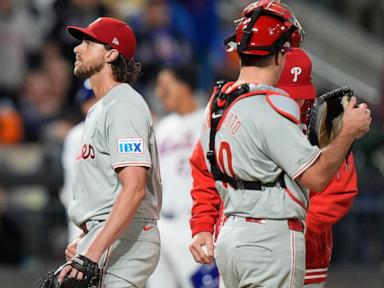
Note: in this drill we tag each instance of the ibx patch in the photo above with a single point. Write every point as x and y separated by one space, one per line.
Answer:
130 146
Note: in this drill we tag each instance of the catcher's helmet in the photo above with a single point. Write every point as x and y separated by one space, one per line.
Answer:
266 27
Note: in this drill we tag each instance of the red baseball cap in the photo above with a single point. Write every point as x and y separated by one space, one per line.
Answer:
296 78
109 31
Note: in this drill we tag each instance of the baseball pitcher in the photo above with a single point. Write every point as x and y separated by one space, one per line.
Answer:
116 191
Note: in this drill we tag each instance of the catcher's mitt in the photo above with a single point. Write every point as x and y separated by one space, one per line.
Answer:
89 269
326 114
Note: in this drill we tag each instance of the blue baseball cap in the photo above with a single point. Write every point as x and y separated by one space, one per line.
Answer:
85 93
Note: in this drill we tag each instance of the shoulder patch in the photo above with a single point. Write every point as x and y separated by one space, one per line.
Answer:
130 146
285 106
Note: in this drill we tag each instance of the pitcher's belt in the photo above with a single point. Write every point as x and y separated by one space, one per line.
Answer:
86 226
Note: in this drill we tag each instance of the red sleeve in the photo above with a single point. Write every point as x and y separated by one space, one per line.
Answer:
330 206
206 199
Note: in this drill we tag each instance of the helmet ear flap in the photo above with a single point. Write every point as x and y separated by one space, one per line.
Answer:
296 39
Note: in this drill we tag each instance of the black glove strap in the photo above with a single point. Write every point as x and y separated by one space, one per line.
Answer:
84 265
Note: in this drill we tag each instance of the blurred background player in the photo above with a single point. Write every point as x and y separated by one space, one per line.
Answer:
71 149
176 136
329 206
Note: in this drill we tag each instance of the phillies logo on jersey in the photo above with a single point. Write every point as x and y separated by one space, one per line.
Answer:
87 151
296 71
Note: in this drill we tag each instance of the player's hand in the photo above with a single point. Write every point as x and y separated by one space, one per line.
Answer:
202 247
72 248
356 119
71 272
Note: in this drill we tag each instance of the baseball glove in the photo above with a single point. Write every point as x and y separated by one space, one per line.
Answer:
89 269
326 115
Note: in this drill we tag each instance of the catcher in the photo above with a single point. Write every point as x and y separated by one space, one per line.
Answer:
253 156
330 205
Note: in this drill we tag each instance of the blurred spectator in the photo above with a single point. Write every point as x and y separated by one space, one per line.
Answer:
11 251
60 78
163 38
205 19
11 125
125 9
19 37
72 12
206 22
42 13
39 106
367 14
379 111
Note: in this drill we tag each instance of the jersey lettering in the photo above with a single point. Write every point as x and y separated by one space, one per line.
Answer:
206 123
232 122
87 151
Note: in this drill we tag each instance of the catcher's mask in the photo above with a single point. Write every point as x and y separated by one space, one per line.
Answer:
266 27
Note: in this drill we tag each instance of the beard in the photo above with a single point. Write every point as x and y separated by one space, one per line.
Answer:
86 70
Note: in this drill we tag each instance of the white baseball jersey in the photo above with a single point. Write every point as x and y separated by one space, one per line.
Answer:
118 132
176 136
255 142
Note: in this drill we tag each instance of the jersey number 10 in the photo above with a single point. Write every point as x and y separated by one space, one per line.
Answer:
227 167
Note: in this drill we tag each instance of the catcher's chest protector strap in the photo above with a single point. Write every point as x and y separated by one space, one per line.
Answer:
225 93
285 106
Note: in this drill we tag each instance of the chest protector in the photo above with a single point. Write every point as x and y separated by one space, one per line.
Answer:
224 94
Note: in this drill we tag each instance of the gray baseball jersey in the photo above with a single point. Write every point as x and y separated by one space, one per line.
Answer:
118 133
255 142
